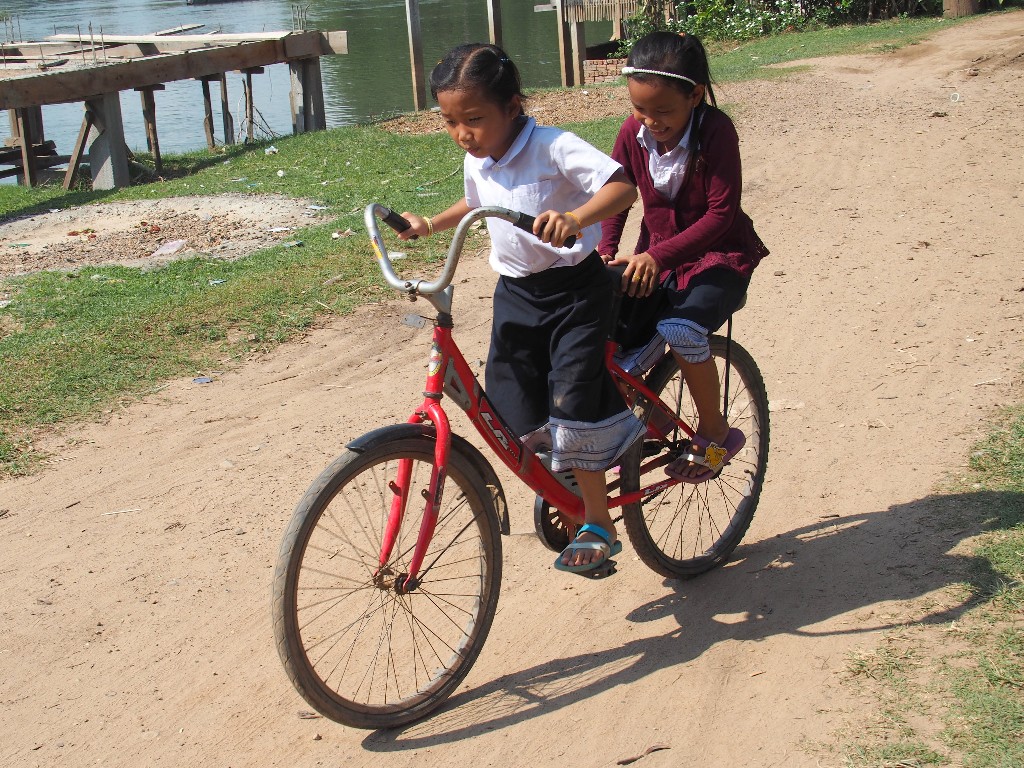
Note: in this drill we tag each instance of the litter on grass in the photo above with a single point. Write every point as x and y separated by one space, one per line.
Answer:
169 249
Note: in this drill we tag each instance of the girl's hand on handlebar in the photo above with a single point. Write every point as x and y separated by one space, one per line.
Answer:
641 275
555 228
417 227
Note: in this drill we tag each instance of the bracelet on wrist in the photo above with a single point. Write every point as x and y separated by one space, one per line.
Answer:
576 218
430 225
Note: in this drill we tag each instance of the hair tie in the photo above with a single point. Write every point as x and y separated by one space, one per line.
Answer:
627 71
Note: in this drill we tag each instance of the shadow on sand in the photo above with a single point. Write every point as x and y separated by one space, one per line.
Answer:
825 570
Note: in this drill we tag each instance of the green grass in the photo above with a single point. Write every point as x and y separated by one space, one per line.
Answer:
972 684
730 63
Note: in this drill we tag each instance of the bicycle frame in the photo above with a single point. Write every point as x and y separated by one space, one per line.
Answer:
449 373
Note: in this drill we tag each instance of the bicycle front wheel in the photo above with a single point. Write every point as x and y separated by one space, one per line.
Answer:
688 529
359 647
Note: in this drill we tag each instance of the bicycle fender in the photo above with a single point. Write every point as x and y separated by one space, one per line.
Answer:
468 451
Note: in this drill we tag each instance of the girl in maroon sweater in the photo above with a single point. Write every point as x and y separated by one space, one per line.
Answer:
696 244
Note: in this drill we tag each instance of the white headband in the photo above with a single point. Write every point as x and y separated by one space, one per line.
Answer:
638 71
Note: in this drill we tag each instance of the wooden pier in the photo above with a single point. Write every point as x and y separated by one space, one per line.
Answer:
94 70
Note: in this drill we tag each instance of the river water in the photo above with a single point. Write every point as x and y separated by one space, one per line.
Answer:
371 81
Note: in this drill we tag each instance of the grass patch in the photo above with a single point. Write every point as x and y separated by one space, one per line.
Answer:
731 63
972 690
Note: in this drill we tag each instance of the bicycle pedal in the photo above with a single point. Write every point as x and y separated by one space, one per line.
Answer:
606 569
651 448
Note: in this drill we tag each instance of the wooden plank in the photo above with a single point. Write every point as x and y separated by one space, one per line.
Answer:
247 37
177 30
77 85
334 43
79 150
41 164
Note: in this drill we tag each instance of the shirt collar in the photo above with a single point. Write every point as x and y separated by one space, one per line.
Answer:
514 150
648 142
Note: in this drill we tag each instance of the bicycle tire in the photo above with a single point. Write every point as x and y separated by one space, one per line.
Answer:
369 656
688 529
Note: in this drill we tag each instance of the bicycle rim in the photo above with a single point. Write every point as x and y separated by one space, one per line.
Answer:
356 648
689 529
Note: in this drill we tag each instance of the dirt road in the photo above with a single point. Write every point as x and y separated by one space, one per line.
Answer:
136 568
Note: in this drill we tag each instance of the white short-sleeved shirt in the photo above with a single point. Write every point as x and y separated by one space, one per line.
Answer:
544 169
667 170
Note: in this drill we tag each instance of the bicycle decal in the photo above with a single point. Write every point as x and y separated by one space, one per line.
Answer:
436 357
488 417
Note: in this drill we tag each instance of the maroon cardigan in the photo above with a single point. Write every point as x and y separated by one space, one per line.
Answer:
704 227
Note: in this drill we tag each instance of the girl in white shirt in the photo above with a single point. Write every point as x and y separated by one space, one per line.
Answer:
545 369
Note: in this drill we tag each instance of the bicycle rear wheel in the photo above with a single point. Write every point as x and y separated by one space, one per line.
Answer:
688 529
357 646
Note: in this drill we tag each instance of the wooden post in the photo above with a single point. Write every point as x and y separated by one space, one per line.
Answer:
225 109
34 116
76 154
419 87
27 122
207 112
250 107
618 30
494 21
572 48
108 155
26 138
954 9
307 96
149 118
578 46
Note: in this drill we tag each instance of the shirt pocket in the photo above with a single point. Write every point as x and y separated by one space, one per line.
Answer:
533 198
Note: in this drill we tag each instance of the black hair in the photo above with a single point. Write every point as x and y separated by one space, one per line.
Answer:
680 54
478 66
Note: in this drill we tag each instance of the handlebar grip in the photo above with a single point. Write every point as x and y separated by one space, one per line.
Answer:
526 221
396 222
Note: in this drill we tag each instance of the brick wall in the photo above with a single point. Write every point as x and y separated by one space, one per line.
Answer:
602 70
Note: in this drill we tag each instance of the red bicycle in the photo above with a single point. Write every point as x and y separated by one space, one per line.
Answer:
388 577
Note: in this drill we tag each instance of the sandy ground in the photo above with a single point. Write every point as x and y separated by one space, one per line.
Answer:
149 233
136 567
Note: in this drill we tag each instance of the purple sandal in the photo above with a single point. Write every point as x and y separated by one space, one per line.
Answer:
714 458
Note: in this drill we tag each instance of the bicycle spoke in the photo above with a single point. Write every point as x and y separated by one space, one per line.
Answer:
687 528
366 651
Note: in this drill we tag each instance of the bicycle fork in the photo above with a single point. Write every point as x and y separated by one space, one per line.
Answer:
401 487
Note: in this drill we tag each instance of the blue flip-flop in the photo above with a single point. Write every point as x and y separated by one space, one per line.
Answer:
606 547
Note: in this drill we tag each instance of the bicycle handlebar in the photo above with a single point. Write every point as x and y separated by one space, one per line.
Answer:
522 221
